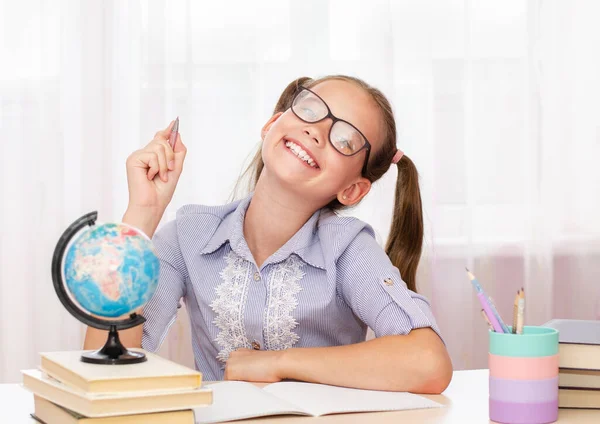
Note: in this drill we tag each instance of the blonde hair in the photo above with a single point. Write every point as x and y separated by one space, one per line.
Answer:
405 240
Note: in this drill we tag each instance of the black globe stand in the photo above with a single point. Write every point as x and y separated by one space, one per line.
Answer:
113 352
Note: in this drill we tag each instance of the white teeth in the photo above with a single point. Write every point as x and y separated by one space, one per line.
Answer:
301 153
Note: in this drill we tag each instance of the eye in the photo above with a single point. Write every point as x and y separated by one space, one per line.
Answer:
344 144
309 113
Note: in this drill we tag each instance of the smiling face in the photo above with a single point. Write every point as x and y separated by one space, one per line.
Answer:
299 155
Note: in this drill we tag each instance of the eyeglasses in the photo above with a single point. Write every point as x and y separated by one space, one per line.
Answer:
343 136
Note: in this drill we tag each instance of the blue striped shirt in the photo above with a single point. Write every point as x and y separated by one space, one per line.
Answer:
324 287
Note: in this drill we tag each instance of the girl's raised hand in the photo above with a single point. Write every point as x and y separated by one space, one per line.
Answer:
153 173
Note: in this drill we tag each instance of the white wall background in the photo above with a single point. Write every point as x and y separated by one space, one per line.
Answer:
498 103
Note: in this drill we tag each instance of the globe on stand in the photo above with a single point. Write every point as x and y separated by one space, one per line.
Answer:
102 274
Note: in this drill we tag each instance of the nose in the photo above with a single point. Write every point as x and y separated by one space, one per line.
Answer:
317 134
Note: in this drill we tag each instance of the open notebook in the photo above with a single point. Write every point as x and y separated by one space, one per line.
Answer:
236 400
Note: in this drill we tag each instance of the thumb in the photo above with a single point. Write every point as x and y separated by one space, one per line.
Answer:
166 133
179 146
180 152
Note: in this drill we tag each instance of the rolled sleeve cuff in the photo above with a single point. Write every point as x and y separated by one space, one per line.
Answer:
406 311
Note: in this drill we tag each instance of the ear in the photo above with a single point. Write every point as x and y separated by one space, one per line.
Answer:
267 126
354 193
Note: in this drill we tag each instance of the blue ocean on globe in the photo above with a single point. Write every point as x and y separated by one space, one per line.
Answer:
111 270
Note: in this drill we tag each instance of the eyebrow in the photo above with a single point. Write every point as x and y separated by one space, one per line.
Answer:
351 122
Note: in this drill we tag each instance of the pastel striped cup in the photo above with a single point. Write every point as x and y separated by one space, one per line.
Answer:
524 376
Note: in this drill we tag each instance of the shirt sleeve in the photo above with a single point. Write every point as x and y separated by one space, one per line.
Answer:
161 311
373 288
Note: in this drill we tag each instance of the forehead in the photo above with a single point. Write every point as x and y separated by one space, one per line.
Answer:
351 103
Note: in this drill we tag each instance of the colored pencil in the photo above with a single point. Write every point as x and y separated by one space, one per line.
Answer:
483 300
521 310
516 312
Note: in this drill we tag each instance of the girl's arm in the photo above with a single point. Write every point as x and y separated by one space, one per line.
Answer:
417 362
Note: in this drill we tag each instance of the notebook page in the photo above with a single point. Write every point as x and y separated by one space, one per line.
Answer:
320 399
236 400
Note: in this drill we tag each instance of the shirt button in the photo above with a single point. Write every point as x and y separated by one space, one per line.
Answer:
388 282
256 276
255 345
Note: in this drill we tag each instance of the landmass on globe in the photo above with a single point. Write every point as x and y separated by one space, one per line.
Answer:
111 270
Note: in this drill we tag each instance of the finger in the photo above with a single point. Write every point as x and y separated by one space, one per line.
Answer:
169 154
141 159
180 153
161 155
153 166
179 146
166 133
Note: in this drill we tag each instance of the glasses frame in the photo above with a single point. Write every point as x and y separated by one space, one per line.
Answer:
334 119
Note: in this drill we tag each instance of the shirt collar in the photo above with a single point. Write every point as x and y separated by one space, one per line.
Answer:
305 243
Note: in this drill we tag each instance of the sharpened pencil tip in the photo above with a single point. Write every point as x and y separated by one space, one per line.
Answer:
471 276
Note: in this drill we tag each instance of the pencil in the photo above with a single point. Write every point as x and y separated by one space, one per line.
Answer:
490 326
497 315
515 312
483 300
521 310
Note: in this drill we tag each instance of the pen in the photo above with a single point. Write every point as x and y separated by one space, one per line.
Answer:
484 303
174 131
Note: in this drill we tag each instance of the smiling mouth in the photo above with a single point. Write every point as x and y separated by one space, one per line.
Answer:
300 153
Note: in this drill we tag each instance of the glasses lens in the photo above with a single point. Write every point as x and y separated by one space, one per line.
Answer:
346 139
309 107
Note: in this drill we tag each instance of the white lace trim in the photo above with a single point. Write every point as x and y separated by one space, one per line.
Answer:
229 306
283 288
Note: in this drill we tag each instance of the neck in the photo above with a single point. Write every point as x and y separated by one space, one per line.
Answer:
275 214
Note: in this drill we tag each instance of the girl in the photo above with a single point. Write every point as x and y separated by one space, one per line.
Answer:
277 285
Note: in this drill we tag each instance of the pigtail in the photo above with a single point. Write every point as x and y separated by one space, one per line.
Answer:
406 234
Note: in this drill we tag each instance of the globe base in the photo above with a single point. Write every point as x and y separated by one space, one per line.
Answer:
113 352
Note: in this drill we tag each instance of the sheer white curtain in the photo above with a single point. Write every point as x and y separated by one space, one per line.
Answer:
497 103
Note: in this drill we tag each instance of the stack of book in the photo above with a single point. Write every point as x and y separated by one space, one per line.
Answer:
157 391
579 363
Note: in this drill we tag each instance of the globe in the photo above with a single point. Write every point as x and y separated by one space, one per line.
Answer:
102 274
111 270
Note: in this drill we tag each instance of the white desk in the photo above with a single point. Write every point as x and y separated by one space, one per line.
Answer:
465 400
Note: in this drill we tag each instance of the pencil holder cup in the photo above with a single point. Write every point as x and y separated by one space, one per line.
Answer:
524 376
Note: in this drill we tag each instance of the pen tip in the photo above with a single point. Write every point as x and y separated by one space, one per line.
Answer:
467 269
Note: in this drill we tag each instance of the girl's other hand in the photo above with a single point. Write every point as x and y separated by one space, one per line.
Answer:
254 365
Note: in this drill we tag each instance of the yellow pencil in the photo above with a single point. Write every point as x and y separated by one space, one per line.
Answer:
521 310
515 312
